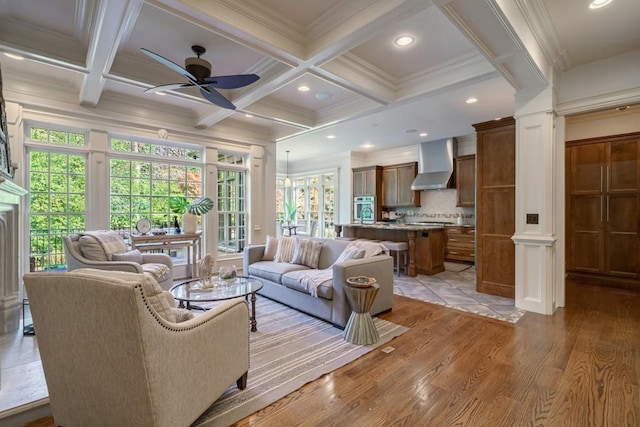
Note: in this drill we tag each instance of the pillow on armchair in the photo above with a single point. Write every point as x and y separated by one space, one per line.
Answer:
101 245
131 256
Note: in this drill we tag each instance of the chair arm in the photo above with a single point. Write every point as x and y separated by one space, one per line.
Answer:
131 267
252 254
379 266
157 259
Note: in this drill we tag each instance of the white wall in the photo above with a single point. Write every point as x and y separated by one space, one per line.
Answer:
603 123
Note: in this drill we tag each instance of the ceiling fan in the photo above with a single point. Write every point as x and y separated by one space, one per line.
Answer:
198 71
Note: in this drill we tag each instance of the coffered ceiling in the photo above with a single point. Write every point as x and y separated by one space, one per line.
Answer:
363 89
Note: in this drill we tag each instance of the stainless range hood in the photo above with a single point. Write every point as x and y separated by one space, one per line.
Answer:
435 164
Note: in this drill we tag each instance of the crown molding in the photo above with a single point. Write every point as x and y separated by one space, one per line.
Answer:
600 102
538 19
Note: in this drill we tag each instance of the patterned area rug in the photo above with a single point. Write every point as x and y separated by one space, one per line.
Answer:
289 350
456 288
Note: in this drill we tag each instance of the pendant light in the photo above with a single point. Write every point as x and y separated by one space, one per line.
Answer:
287 180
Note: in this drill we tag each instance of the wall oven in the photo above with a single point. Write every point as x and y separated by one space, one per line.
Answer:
364 209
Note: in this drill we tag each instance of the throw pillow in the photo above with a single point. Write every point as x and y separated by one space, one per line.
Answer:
349 254
286 246
92 249
307 252
270 248
131 256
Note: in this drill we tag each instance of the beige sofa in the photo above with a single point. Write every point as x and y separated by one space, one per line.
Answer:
281 283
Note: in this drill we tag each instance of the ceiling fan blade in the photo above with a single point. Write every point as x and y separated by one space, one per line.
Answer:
231 82
172 65
171 86
215 97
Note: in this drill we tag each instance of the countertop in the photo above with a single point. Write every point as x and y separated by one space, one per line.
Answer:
397 226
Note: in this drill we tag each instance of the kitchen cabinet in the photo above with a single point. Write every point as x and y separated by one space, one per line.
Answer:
367 181
396 186
466 180
603 206
460 243
496 207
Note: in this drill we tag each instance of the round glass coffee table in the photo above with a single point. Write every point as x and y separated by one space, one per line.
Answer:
191 291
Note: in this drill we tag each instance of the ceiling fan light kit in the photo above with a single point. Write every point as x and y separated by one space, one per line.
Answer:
198 71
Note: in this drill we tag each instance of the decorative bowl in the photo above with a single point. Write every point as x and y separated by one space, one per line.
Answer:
361 281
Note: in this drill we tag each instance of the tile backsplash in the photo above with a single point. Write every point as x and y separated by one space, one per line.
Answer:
439 205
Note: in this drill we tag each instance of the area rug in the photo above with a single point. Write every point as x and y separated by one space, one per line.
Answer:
289 350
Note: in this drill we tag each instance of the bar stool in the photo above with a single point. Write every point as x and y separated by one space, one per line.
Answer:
398 248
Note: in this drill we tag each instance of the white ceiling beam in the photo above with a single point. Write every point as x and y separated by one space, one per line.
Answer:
114 20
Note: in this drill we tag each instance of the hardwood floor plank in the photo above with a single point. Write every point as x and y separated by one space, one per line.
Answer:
579 367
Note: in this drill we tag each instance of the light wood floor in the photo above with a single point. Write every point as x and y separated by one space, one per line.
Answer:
580 367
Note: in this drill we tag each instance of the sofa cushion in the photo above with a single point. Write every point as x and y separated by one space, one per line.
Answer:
286 246
92 249
307 252
273 271
292 281
331 250
270 248
131 256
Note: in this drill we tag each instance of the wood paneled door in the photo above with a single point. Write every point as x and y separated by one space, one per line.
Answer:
603 204
496 207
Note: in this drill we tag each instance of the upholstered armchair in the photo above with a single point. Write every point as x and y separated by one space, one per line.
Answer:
114 354
84 251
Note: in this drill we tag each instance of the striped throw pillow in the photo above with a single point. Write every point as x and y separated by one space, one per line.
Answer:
307 252
286 246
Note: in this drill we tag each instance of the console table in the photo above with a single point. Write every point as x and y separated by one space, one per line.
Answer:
150 242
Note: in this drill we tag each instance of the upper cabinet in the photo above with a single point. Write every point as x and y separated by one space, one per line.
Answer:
466 180
396 186
367 181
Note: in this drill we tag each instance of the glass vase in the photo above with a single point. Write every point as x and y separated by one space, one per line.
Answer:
228 273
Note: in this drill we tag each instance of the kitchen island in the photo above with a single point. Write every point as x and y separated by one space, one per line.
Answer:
426 242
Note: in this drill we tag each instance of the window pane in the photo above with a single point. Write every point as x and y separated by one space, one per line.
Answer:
57 198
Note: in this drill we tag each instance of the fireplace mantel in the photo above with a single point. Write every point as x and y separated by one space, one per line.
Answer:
10 194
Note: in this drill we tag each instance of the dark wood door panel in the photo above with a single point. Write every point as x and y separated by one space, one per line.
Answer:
587 249
624 166
624 256
587 168
587 213
623 213
501 254
498 147
498 214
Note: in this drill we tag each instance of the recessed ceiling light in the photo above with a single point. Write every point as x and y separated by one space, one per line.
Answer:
423 134
403 41
161 93
303 88
331 137
497 119
323 95
367 145
248 115
471 100
14 56
597 4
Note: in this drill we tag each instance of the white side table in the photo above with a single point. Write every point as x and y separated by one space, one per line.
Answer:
360 328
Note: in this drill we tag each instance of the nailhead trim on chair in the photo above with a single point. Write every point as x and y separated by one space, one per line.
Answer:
165 323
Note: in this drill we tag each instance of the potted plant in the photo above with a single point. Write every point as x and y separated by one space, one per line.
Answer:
190 211
290 212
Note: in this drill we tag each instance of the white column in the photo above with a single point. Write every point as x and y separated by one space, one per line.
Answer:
539 179
210 220
257 195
